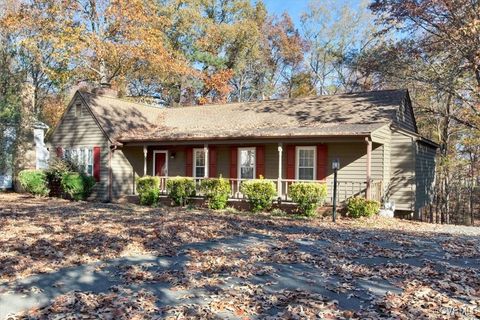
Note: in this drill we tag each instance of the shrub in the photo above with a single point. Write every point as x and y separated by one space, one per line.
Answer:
148 189
308 196
260 193
179 189
77 186
34 182
216 192
361 207
57 168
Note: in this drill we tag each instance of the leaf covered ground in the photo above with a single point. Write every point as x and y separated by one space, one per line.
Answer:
114 261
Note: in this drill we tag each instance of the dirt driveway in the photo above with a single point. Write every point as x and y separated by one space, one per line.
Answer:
110 261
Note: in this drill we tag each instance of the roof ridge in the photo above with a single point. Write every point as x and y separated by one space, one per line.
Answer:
123 100
244 102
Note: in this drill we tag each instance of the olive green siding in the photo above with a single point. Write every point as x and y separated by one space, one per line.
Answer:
425 174
405 118
127 165
384 136
83 131
401 187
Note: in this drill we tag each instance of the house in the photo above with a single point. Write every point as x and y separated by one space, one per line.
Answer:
32 152
373 134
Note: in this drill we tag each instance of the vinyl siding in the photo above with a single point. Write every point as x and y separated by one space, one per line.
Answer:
384 136
127 165
352 175
401 188
405 117
425 174
83 131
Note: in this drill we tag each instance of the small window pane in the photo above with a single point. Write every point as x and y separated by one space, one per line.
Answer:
199 171
200 158
246 173
305 173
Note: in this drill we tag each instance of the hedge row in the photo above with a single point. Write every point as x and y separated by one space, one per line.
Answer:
61 179
260 193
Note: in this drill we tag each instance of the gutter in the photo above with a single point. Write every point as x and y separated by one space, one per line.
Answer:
359 135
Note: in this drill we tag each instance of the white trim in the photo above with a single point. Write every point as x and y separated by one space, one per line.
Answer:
239 164
297 153
194 173
166 160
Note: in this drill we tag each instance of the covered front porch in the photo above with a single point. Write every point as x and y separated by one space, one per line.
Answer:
361 170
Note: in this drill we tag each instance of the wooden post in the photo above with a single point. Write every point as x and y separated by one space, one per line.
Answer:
205 150
279 178
145 151
369 168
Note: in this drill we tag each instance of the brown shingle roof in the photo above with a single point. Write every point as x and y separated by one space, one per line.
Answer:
344 114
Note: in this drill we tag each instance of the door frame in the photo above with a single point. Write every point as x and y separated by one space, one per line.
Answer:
154 158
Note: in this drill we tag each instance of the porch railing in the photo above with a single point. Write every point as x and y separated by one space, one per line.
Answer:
345 188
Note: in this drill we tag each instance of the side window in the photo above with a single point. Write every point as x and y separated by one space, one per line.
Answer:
78 110
199 163
246 163
306 159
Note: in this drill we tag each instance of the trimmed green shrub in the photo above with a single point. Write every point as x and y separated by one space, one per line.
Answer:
77 186
361 207
148 189
179 189
260 193
216 192
34 182
308 196
57 168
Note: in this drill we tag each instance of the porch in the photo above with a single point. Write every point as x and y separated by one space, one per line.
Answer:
361 173
345 189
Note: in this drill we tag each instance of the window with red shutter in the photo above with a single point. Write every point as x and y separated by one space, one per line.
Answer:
189 162
212 161
96 163
260 161
233 162
322 161
290 162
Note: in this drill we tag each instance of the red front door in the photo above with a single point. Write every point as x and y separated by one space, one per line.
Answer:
161 164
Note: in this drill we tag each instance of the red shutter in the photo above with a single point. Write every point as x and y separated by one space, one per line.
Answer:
322 161
96 163
233 162
189 162
290 162
59 152
260 161
212 162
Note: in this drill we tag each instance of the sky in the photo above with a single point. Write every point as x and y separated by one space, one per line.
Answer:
293 7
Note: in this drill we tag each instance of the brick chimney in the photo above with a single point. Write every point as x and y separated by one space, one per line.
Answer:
105 89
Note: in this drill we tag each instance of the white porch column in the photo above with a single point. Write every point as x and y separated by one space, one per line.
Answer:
205 149
145 150
369 168
280 170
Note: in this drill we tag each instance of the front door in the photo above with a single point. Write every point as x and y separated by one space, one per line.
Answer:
160 166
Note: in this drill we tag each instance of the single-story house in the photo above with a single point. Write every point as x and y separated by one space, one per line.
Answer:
373 135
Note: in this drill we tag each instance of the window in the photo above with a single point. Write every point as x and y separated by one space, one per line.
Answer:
78 110
83 157
199 163
246 163
306 158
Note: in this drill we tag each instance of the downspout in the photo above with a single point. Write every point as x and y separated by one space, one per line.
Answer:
110 171
369 168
